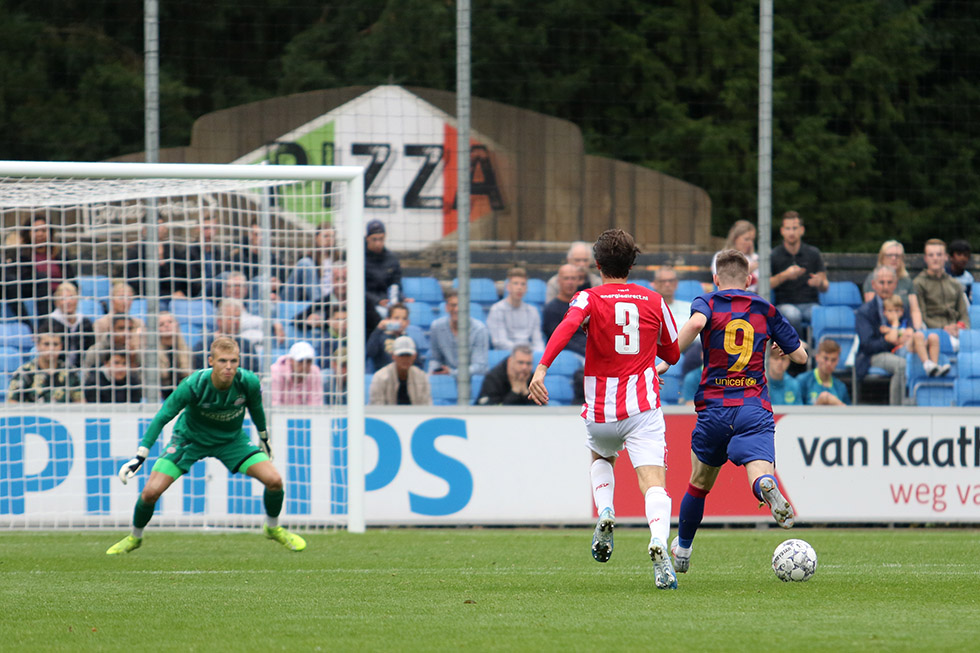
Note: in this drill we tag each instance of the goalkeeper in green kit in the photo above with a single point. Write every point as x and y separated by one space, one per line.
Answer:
213 402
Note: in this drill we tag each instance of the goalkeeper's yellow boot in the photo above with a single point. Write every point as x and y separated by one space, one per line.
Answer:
125 545
291 541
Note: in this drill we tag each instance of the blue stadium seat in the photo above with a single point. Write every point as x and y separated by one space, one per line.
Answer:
643 282
421 314
966 392
560 392
196 312
422 289
975 293
444 391
670 391
968 365
837 323
10 359
4 384
566 362
94 286
970 339
842 293
138 309
367 386
91 308
688 289
921 386
935 395
476 382
286 311
945 343
974 313
482 290
536 290
494 356
16 334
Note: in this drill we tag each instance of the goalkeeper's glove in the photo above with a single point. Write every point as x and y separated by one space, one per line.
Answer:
264 443
129 470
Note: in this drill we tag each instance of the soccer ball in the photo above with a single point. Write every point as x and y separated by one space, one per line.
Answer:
794 560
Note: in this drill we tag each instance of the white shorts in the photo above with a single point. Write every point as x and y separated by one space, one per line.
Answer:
642 435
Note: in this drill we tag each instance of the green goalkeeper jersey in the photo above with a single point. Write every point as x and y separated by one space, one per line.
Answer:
211 416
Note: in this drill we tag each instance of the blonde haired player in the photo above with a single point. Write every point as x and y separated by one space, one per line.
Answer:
213 402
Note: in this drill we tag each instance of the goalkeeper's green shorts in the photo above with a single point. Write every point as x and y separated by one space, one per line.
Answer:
180 454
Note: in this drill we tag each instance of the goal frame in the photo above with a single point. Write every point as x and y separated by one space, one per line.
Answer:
352 213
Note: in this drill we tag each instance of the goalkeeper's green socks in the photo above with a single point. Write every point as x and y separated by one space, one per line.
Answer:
273 506
142 514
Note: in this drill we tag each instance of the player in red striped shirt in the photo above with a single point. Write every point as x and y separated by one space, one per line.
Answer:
627 328
734 413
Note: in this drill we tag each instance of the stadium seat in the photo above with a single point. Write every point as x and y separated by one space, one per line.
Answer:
838 323
974 314
422 289
670 391
483 291
444 392
975 292
688 289
945 343
286 311
197 312
842 293
16 334
643 282
921 386
94 287
476 382
421 314
966 392
566 362
494 356
536 290
91 308
560 392
968 365
10 359
367 386
4 384
970 339
138 309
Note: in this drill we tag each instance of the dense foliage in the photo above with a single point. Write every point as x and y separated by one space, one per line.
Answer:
875 128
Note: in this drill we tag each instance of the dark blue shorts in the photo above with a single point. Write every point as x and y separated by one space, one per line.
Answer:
737 433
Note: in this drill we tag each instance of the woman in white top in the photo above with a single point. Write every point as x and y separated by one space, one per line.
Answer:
742 237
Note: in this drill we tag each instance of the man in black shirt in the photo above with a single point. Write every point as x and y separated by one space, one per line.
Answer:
507 382
798 274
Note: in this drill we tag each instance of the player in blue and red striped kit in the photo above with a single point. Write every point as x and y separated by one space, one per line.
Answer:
734 412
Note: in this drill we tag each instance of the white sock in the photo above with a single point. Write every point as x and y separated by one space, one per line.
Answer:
271 522
657 505
137 532
603 484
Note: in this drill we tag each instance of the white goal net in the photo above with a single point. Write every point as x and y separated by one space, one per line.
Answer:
116 279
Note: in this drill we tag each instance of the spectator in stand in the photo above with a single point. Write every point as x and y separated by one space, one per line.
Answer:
783 389
236 286
665 282
46 378
507 383
819 386
444 336
551 315
941 297
208 259
335 377
227 323
382 271
125 335
381 341
892 254
247 256
175 357
741 236
174 271
312 277
322 321
296 379
956 267
20 284
120 303
113 382
75 329
50 267
511 321
401 382
798 273
580 255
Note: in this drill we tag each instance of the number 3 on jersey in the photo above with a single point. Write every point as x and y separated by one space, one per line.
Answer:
628 317
743 350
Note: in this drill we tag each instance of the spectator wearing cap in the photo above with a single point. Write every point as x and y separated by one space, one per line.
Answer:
381 267
401 383
296 379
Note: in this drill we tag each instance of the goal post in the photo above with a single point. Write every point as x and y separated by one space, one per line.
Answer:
108 211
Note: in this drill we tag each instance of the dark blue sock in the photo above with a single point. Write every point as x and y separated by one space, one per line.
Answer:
755 486
690 516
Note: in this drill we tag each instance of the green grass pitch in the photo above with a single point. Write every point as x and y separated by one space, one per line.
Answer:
486 589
